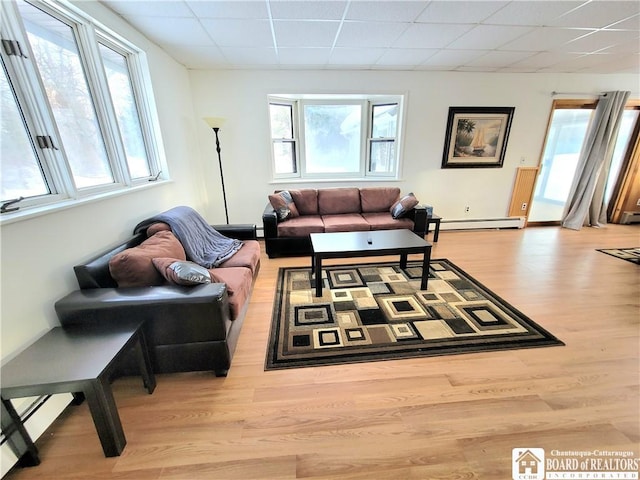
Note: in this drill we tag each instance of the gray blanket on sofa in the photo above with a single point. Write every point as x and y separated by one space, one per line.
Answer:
202 243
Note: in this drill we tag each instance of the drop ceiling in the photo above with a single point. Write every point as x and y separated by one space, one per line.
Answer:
597 36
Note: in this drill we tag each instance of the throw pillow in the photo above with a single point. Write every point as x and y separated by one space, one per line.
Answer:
404 205
180 272
157 227
283 204
133 267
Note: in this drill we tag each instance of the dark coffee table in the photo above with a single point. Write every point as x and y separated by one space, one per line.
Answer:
368 244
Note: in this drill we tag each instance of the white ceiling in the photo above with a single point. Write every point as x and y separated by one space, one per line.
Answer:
595 36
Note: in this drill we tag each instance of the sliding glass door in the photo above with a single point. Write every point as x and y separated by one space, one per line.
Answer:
565 136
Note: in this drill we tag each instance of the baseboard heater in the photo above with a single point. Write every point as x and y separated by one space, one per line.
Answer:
482 223
630 217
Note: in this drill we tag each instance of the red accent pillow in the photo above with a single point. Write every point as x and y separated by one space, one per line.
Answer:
133 267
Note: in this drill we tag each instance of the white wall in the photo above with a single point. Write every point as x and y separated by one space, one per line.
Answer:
241 97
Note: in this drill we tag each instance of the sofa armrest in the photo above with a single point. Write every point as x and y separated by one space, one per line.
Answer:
270 222
420 220
240 231
98 305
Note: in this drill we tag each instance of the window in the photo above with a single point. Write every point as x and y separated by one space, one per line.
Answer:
321 137
76 121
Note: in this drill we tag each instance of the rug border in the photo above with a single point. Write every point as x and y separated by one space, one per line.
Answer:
630 260
269 364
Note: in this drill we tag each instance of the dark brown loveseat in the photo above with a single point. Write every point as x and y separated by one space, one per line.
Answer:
335 210
187 328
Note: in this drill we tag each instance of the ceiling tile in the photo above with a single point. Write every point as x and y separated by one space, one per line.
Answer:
544 38
356 56
297 10
239 33
393 11
422 35
452 58
149 9
357 34
599 40
250 56
303 56
546 60
629 47
497 59
393 34
631 23
405 56
487 37
196 57
598 14
293 33
459 11
228 9
532 13
177 31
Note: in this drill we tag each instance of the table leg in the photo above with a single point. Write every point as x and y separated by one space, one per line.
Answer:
436 232
426 260
144 362
318 269
403 261
105 416
17 436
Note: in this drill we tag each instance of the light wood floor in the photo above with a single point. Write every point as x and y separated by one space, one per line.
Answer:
455 417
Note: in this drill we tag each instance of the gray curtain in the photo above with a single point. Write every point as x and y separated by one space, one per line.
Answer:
586 204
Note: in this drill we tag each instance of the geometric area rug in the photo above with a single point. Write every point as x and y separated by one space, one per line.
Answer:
376 311
628 254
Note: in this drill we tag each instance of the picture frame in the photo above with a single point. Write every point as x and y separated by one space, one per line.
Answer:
476 137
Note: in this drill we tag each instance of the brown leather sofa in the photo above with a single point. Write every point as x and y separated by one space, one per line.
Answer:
335 210
187 328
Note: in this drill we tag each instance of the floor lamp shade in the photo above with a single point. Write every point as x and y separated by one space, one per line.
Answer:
215 123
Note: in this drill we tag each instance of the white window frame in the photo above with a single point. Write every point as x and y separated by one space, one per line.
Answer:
298 102
36 111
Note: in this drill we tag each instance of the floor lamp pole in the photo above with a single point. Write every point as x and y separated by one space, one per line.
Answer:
224 193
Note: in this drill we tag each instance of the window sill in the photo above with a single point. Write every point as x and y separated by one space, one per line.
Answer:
277 181
34 212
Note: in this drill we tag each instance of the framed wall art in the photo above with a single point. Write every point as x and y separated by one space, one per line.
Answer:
476 137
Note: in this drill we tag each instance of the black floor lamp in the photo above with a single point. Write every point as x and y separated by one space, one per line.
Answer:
216 123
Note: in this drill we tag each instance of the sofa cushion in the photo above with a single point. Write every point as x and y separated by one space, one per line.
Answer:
378 199
384 221
332 201
306 200
301 226
181 272
283 204
157 227
346 222
248 256
133 267
238 281
404 205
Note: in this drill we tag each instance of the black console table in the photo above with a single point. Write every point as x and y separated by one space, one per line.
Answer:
77 360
